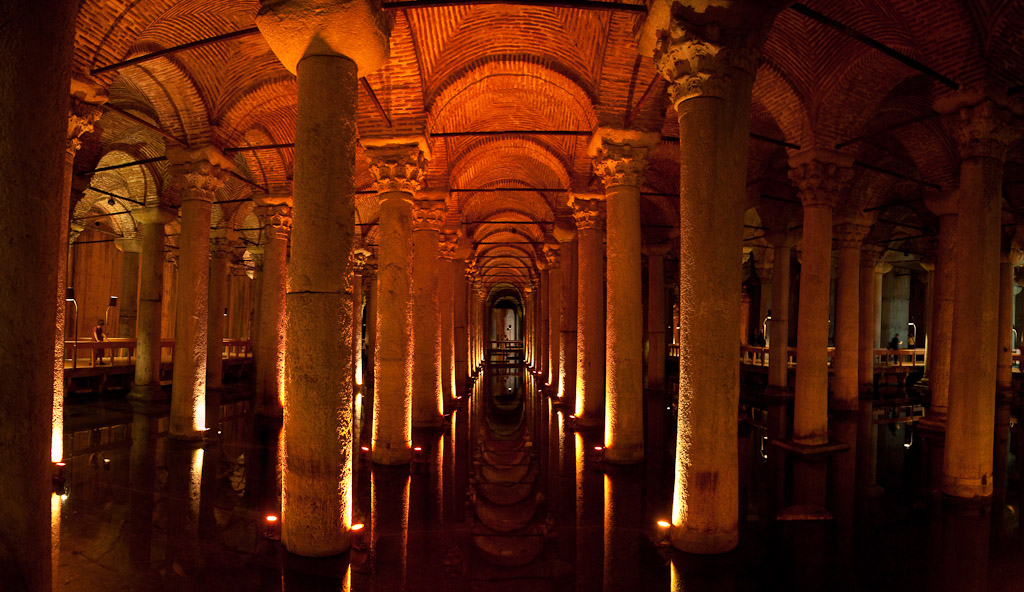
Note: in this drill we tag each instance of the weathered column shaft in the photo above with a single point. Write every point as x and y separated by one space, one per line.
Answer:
544 330
819 177
867 321
567 322
428 405
461 320
446 304
371 328
151 222
357 323
620 160
590 335
847 331
270 347
1004 370
656 317
554 314
216 318
967 463
200 172
128 302
778 326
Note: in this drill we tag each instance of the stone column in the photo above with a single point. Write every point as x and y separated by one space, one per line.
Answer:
275 213
151 221
620 160
81 120
778 327
881 268
940 333
819 176
710 69
220 252
427 401
984 133
868 321
360 257
461 320
764 266
528 318
848 238
446 302
200 173
554 289
396 165
543 327
590 344
656 315
36 48
1004 370
128 303
329 46
370 273
480 327
565 234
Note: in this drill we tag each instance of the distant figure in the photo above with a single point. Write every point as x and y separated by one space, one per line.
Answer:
759 339
895 342
98 334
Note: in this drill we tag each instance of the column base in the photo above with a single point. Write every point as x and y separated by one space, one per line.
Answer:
196 437
703 542
623 455
146 393
962 488
384 454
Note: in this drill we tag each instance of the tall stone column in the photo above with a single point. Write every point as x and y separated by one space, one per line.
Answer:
360 257
81 120
848 238
220 252
128 303
620 160
397 167
1004 371
565 234
590 335
819 176
543 330
881 268
275 213
200 173
480 327
554 287
528 318
656 315
764 266
370 275
778 327
710 69
446 302
984 133
941 330
868 320
150 221
36 48
328 46
427 403
461 320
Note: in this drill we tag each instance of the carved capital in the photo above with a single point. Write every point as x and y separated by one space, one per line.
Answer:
220 246
76 230
449 244
620 156
870 255
820 176
696 66
199 172
849 235
358 259
428 215
588 213
81 120
276 220
397 164
552 251
986 131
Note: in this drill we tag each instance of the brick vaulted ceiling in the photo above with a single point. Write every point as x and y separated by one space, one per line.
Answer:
502 67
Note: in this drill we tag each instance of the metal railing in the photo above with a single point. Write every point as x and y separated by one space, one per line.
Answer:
121 351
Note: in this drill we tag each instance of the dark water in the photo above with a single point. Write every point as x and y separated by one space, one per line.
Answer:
504 498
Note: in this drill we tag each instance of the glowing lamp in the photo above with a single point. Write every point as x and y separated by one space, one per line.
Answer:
598 448
357 527
106 464
418 448
364 448
272 531
664 526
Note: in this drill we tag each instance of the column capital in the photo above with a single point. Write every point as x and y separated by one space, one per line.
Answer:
699 52
942 203
820 175
86 101
883 267
564 228
276 218
850 234
128 245
620 155
586 211
656 249
220 245
358 258
449 244
428 214
397 164
199 171
870 255
552 251
986 130
356 29
154 215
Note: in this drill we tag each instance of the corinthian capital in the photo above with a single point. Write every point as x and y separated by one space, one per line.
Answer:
820 176
276 218
620 156
986 130
199 172
449 243
86 99
551 254
850 234
397 164
428 215
586 211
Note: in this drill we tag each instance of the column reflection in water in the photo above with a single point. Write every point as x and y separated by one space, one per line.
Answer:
589 512
145 428
55 508
389 527
426 503
623 515
184 477
962 564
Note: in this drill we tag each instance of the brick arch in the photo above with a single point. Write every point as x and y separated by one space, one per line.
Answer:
787 106
270 168
170 89
141 182
508 161
465 98
237 112
93 202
